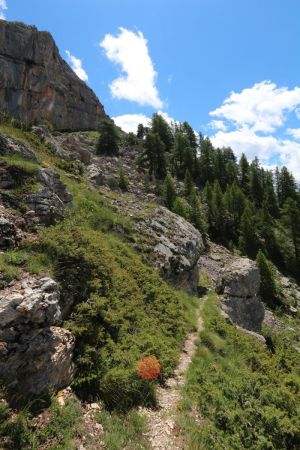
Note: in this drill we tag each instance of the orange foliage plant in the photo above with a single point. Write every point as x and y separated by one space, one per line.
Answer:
148 367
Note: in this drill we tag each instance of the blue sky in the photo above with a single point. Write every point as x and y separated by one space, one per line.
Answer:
185 58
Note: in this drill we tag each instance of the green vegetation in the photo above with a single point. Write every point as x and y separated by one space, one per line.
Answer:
269 289
239 394
240 204
119 302
123 180
108 140
18 431
10 265
123 431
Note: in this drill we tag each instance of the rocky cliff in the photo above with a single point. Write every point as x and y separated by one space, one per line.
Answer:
37 84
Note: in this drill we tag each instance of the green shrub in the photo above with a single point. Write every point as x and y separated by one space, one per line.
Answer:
123 180
247 396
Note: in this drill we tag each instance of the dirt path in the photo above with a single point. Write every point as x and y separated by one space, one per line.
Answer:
162 421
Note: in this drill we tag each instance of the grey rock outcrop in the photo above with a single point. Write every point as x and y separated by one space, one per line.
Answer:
174 247
238 284
8 234
50 201
11 146
37 84
35 354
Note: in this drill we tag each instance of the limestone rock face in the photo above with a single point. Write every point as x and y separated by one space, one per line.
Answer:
37 84
239 285
175 247
35 355
11 146
50 201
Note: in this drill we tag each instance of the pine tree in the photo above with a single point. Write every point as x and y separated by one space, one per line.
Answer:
123 180
188 131
160 126
244 173
169 191
291 219
248 240
181 207
188 184
268 287
196 215
256 183
140 131
155 154
108 141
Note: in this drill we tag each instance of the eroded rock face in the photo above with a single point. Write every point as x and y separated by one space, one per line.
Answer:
11 146
175 247
238 284
35 355
8 234
37 84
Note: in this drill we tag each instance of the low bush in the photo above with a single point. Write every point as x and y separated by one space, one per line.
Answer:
247 396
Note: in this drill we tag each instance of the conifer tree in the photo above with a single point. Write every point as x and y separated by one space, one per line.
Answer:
169 191
188 184
268 287
140 131
108 141
181 207
155 153
248 240
291 219
196 215
160 126
244 173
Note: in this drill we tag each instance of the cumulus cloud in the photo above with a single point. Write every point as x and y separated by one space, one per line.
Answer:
129 122
263 107
3 8
76 65
295 132
217 125
254 121
137 82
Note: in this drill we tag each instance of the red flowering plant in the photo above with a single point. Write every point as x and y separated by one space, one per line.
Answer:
148 368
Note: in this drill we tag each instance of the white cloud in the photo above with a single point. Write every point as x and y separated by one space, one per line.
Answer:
137 81
3 8
217 125
252 117
129 122
295 132
76 65
262 107
267 148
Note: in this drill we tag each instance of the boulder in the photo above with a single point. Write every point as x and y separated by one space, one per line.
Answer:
36 84
50 201
239 284
174 247
35 353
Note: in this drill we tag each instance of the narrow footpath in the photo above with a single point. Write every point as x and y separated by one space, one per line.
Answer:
162 421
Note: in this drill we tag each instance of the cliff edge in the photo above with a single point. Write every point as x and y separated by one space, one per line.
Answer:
37 84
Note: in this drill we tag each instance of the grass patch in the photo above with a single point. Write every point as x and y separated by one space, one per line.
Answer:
10 265
244 395
17 429
16 161
123 431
